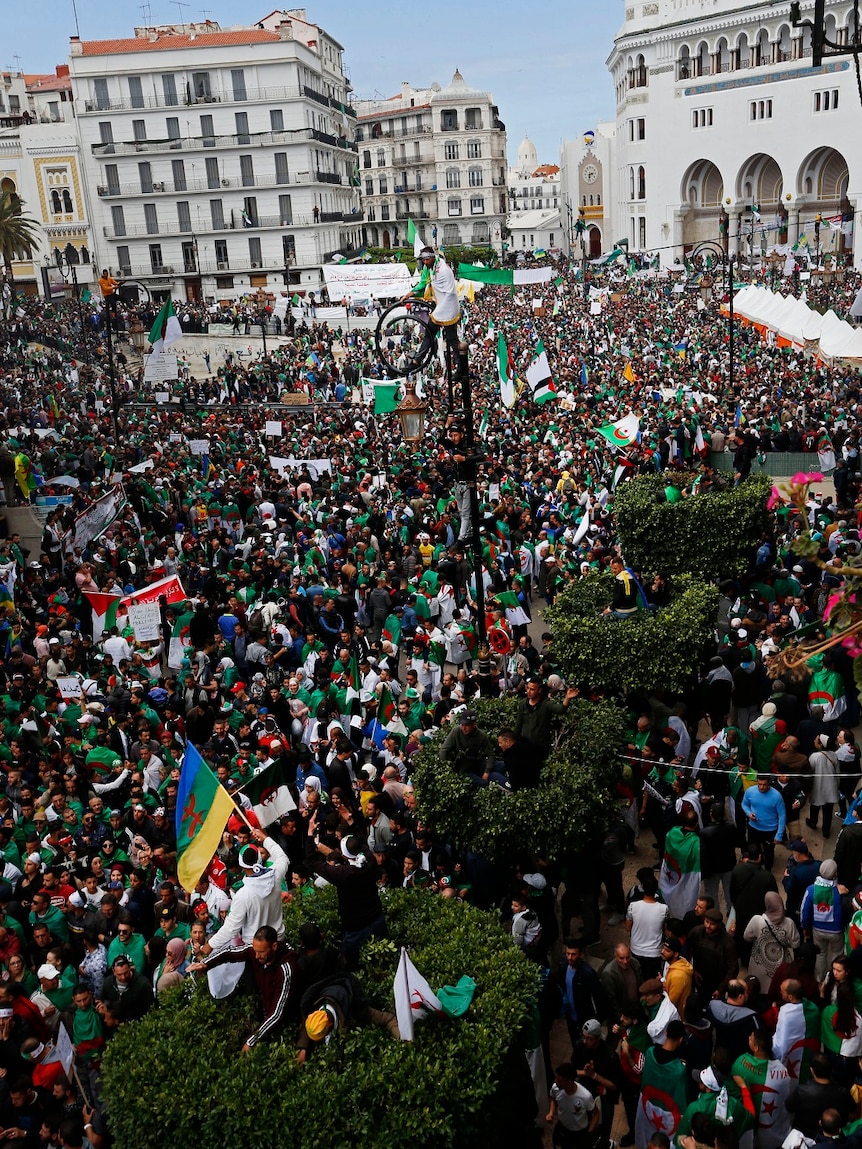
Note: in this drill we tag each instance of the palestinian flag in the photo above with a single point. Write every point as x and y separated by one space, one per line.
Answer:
766 1087
663 1098
104 607
179 640
506 373
166 329
826 689
392 629
515 613
269 793
679 880
622 433
539 376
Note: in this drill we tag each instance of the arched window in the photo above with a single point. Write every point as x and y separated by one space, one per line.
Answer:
475 177
631 183
641 183
453 178
55 201
67 201
366 159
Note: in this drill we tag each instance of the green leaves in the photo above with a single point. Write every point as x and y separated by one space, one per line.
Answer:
178 1078
573 801
654 650
713 535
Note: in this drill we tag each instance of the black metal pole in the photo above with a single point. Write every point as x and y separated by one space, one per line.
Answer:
109 305
730 320
80 313
471 470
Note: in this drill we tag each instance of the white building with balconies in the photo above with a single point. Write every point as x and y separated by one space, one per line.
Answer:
219 162
436 156
719 110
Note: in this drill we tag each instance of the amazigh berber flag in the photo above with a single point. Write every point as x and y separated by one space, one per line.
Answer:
414 997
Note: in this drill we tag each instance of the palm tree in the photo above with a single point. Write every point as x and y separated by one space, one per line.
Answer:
19 237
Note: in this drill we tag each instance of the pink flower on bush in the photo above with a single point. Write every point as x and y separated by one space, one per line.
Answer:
774 499
803 478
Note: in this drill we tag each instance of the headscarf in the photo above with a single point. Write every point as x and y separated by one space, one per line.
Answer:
774 908
175 955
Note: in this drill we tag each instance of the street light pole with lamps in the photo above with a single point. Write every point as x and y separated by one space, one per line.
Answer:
66 267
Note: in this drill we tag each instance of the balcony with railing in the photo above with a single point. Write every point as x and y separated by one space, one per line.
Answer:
238 266
186 100
166 187
207 143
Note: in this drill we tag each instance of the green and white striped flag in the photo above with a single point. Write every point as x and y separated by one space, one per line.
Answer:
414 238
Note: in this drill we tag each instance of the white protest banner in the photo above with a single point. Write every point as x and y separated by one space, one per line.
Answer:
219 330
146 619
316 467
273 428
199 446
96 519
174 437
362 280
63 481
159 367
596 307
139 468
162 396
331 313
280 306
69 686
367 386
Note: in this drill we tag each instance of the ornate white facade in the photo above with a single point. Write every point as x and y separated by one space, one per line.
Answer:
718 110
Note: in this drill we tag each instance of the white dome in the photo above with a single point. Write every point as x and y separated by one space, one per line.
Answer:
528 159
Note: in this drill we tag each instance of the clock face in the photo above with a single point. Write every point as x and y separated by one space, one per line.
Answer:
590 174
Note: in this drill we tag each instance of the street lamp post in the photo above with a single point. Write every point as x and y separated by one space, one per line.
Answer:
66 267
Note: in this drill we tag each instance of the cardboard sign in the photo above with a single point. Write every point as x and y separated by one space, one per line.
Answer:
69 686
145 618
273 428
199 446
159 367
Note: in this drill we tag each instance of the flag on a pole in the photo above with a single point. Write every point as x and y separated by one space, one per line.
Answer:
539 376
386 709
506 373
628 373
414 238
414 997
622 433
483 426
679 880
504 277
269 793
166 329
203 808
385 398
515 613
104 608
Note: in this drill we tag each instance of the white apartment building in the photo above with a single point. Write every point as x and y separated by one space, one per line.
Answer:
534 203
219 162
719 109
436 156
40 165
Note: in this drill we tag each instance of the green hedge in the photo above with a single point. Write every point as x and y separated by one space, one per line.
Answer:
574 798
177 1078
655 650
714 535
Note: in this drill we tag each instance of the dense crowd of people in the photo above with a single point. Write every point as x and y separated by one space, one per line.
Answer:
319 621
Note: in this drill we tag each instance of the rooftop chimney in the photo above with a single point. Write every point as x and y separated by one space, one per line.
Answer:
285 30
76 48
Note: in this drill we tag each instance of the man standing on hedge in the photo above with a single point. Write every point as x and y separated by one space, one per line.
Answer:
272 964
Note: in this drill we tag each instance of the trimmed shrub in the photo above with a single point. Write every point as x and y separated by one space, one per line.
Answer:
713 536
178 1078
653 650
573 800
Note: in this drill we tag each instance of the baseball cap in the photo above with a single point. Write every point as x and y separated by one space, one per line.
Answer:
466 716
48 971
592 1028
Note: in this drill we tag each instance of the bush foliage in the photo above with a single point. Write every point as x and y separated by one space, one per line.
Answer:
574 798
654 650
714 535
177 1078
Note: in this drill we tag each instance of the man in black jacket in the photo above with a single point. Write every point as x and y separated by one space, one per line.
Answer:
126 995
583 995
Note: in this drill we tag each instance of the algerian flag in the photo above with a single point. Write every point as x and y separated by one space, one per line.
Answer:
699 442
460 641
663 1097
430 582
483 426
622 433
392 629
437 653
504 277
769 1086
679 880
385 398
515 614
506 373
104 607
269 793
386 709
414 998
826 689
422 607
166 329
414 238
583 527
799 1037
825 452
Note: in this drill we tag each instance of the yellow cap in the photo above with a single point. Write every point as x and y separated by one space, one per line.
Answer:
318 1024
